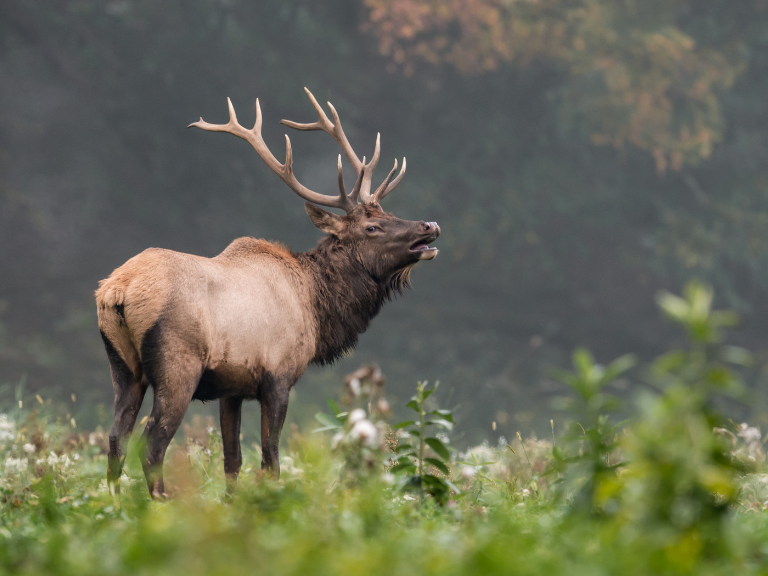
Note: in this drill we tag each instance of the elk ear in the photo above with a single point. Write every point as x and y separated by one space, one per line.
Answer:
327 222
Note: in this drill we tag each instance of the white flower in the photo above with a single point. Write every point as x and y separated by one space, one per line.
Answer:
337 439
29 448
7 428
525 492
15 464
288 467
749 434
468 472
53 459
356 415
365 432
354 387
388 478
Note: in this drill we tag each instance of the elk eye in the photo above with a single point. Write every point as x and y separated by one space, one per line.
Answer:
372 229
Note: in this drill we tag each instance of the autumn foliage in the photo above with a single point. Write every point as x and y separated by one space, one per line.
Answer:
630 75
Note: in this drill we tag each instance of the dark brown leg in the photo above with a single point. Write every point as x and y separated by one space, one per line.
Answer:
274 405
129 394
172 397
229 414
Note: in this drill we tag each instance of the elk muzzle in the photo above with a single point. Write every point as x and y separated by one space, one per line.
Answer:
421 249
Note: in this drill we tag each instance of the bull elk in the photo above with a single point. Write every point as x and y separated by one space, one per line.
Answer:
246 324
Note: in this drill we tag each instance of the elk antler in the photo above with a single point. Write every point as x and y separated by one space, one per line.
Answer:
285 171
336 132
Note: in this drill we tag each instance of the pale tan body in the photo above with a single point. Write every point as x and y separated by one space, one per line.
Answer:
249 307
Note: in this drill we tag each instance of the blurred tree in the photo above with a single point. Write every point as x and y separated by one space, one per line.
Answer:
631 75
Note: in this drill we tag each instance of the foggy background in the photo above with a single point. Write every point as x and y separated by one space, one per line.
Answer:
578 156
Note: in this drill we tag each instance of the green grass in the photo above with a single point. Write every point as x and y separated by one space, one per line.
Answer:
678 489
57 518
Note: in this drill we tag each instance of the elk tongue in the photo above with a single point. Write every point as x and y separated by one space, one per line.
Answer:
419 247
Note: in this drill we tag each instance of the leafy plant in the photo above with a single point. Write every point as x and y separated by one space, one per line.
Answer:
683 481
414 458
584 465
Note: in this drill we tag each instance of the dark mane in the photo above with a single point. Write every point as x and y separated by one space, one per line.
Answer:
346 296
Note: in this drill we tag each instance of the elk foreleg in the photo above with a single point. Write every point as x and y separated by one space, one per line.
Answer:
172 397
274 405
229 413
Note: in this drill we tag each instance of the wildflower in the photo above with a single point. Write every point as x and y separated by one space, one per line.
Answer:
356 415
749 434
365 432
354 387
15 464
7 428
337 439
388 478
288 467
29 448
52 459
468 472
383 406
525 492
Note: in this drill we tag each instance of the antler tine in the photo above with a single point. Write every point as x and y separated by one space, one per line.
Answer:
333 129
285 171
342 188
387 180
356 190
340 137
387 186
365 189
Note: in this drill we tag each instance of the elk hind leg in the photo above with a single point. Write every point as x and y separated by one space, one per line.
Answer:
172 395
230 410
129 394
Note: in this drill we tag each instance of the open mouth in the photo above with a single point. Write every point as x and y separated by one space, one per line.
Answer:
423 251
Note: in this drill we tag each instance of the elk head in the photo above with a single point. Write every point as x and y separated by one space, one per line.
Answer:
385 245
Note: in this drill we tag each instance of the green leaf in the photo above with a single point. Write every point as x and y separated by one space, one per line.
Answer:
403 466
413 405
444 414
618 367
438 464
736 355
328 421
583 362
440 422
673 306
334 407
438 447
403 425
403 447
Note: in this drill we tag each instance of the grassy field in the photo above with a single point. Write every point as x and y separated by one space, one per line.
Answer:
677 489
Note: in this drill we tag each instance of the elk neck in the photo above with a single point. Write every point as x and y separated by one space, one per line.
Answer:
345 296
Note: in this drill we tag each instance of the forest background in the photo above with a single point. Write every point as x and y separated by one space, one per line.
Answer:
579 156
